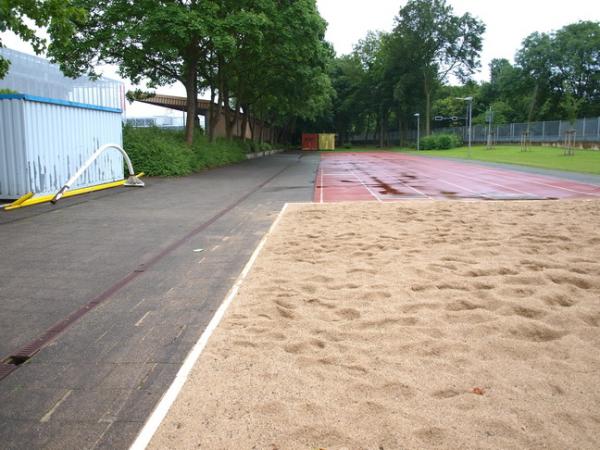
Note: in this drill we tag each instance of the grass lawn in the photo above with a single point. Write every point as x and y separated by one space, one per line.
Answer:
587 161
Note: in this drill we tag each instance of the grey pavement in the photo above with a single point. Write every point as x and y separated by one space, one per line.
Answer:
97 382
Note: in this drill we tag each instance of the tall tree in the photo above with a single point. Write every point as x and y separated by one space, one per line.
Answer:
159 41
440 44
17 15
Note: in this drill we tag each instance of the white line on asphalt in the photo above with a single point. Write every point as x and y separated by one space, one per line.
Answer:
139 322
160 412
47 416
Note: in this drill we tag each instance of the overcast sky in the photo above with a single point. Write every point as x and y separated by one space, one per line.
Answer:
508 23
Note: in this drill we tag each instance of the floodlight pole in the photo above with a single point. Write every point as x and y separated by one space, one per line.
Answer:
470 100
470 114
490 119
418 116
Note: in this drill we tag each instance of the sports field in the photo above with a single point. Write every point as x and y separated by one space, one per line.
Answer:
388 177
585 161
417 324
432 322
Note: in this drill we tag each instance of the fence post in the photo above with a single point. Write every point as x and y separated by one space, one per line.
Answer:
543 130
559 127
583 131
598 134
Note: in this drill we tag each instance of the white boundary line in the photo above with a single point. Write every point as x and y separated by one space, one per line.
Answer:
322 187
481 180
162 408
498 173
414 189
527 177
366 187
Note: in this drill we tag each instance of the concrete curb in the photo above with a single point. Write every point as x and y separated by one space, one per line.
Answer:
261 154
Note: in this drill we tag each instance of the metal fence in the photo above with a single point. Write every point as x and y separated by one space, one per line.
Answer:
587 130
170 122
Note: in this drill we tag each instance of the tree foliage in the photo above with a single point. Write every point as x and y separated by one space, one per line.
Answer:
263 56
427 61
24 17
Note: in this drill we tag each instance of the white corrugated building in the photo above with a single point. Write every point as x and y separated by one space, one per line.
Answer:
52 124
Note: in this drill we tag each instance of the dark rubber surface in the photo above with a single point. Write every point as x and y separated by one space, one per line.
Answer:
94 384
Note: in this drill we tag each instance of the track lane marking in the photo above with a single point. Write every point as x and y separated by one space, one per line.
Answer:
366 187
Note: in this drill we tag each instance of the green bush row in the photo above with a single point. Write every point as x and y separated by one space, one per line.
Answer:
160 152
440 142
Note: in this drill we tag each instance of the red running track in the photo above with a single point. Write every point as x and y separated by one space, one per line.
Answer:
387 177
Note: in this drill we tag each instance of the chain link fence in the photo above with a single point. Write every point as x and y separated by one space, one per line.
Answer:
587 133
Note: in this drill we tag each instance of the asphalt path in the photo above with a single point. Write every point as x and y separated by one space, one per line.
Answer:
140 272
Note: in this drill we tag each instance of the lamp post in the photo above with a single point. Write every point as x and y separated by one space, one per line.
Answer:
469 101
418 116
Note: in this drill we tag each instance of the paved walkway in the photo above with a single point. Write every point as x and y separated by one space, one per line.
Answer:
135 253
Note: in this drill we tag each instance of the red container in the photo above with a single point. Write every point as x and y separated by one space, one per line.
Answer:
310 142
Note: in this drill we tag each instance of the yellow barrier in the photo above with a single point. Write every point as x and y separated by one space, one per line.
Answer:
29 200
326 141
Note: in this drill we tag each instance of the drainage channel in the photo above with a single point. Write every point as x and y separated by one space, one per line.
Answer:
12 362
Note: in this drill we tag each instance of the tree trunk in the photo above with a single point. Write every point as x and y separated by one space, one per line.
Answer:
400 140
191 88
230 122
227 113
211 115
427 89
244 123
261 127
215 109
381 128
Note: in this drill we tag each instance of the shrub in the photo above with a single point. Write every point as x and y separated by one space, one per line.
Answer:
219 153
7 91
347 145
160 152
157 152
440 142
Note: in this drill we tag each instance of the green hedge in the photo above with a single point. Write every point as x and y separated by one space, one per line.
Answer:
160 152
440 142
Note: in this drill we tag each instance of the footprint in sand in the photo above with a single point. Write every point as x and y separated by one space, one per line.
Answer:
308 288
432 436
320 279
593 320
536 332
462 305
317 302
579 282
286 313
348 314
452 286
559 300
285 304
376 295
528 313
519 292
445 393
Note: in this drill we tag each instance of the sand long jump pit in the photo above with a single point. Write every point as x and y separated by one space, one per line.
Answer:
429 324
